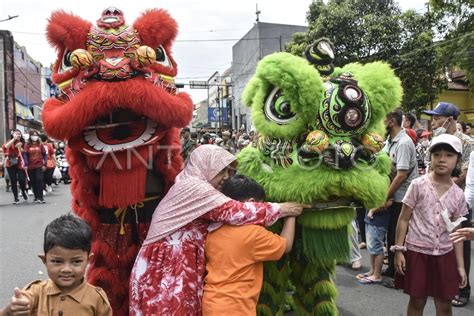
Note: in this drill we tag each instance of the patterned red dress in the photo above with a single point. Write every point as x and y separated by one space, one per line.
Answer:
168 275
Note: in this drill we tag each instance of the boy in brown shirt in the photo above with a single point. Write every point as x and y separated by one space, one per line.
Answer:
67 245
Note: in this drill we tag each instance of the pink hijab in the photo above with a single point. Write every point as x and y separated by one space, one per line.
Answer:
192 195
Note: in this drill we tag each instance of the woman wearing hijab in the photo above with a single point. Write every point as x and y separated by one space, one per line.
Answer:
13 150
168 274
36 159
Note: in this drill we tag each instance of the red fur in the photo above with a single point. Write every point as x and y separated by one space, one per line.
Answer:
63 121
67 30
156 27
84 182
61 77
104 278
169 162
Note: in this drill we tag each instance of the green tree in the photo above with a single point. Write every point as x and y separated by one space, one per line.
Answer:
455 27
417 62
298 44
361 30
368 30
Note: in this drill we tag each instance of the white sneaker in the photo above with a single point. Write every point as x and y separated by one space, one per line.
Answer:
44 192
49 189
30 192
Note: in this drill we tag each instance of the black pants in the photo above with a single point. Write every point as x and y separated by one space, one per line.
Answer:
36 177
394 210
48 176
17 175
466 292
361 223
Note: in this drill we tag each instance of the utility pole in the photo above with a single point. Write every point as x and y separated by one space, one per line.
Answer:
218 101
257 12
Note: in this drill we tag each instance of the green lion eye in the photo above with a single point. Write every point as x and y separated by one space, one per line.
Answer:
278 108
282 106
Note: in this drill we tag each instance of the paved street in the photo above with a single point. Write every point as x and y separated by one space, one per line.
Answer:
21 235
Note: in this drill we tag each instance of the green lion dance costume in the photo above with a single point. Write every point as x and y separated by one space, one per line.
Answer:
318 144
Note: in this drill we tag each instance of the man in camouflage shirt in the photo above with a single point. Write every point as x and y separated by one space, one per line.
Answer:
187 144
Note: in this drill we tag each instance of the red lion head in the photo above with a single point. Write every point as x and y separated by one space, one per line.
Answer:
117 106
120 113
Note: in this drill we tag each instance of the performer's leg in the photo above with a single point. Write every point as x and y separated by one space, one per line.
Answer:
315 292
321 241
12 172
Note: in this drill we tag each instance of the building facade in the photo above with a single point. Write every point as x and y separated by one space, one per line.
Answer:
7 89
262 39
24 86
28 94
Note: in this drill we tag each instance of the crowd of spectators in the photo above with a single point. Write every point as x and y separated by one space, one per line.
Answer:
231 140
408 146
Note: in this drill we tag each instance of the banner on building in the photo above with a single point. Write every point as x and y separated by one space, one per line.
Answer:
215 115
23 111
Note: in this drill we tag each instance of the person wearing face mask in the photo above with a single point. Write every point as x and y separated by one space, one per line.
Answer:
36 159
13 150
402 152
444 119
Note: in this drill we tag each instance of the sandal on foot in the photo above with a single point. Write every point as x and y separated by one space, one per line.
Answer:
390 284
363 275
356 265
459 301
369 281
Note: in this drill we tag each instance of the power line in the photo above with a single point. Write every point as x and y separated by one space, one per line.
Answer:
10 17
440 43
192 40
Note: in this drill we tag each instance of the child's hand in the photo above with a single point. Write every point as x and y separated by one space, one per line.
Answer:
388 203
292 208
462 234
371 212
462 274
400 263
20 305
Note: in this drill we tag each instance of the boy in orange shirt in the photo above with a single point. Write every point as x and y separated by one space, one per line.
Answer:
235 256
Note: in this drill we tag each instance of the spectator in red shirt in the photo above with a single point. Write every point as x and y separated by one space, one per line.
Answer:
36 159
409 121
48 173
13 150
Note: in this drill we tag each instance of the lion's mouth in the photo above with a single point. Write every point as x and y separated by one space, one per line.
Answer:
119 130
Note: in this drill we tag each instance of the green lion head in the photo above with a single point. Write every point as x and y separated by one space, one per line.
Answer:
319 136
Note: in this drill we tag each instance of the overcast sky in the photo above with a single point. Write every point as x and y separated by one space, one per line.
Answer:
197 20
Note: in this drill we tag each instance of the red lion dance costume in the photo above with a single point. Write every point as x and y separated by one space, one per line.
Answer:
120 113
